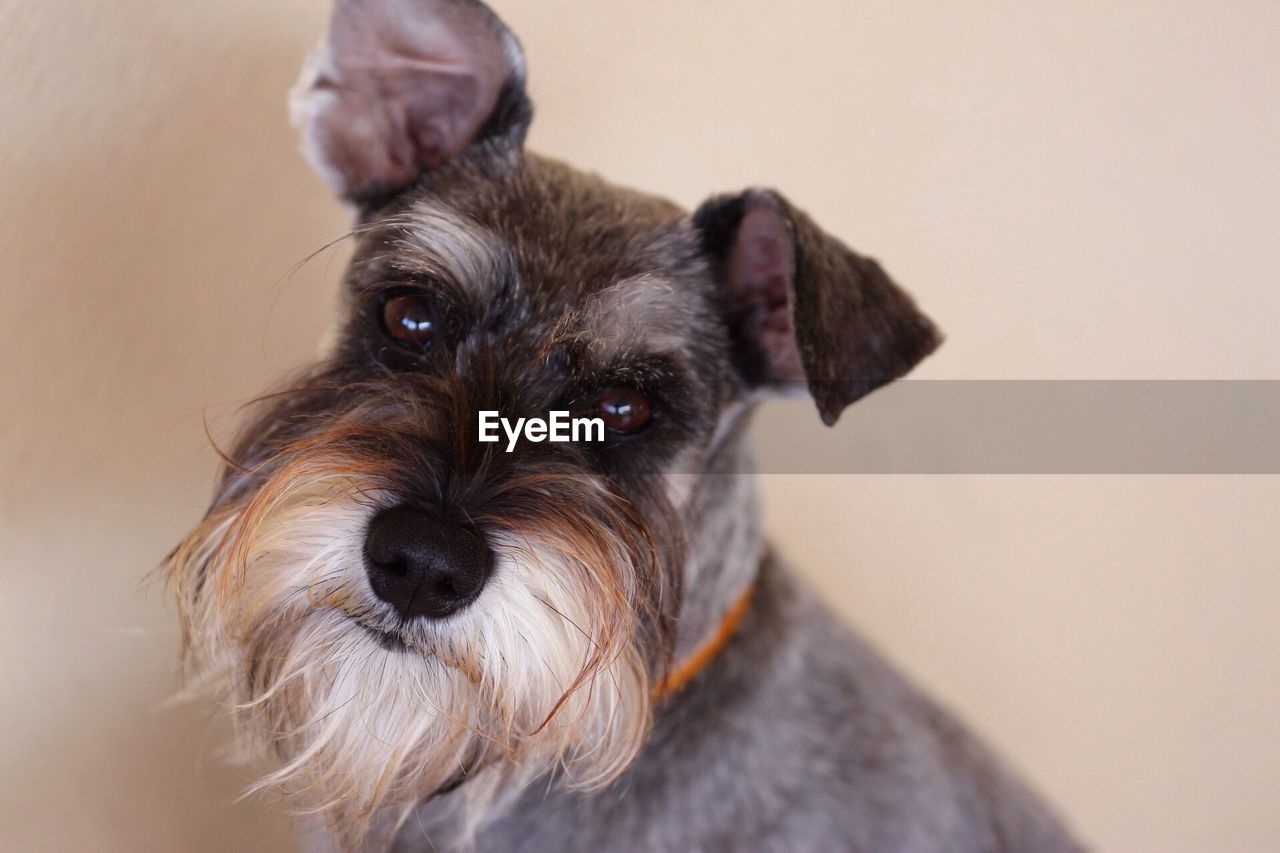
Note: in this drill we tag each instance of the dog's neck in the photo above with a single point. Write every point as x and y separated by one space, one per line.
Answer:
723 560
688 667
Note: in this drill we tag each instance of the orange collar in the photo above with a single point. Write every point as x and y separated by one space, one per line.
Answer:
679 675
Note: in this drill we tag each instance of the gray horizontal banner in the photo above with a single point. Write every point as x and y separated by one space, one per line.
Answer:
1032 427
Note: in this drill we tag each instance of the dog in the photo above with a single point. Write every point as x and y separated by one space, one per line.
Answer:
441 636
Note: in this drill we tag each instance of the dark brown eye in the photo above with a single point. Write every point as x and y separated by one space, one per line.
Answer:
409 319
623 409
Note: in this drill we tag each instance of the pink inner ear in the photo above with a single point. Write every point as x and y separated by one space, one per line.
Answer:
759 274
399 86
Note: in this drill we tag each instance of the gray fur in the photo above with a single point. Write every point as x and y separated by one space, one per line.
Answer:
798 736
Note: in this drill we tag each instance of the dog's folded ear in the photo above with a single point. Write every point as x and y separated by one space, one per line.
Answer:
803 308
399 86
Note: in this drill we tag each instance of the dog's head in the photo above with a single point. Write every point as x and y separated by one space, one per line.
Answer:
398 608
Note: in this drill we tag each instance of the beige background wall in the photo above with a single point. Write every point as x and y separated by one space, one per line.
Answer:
1073 189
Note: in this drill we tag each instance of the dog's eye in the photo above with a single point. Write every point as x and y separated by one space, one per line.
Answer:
409 319
623 409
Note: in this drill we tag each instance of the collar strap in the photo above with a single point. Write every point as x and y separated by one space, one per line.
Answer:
679 675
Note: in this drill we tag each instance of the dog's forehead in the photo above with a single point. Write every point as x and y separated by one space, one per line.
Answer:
561 249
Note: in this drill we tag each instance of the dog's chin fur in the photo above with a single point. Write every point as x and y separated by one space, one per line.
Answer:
364 716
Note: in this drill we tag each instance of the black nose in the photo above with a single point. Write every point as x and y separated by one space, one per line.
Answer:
422 565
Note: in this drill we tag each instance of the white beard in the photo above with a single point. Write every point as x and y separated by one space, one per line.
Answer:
542 672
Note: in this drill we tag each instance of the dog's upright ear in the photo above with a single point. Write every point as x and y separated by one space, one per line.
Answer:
804 308
399 86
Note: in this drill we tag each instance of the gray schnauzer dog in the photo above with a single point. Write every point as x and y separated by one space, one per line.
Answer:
438 635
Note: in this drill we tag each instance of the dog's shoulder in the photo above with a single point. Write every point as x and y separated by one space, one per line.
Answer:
872 762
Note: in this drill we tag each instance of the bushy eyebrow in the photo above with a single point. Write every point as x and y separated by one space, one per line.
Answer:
432 241
643 313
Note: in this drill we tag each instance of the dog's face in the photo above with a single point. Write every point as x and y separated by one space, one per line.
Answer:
398 608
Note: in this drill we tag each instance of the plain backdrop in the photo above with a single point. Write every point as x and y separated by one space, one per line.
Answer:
1073 190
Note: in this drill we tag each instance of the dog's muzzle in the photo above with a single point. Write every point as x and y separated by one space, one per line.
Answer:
423 565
